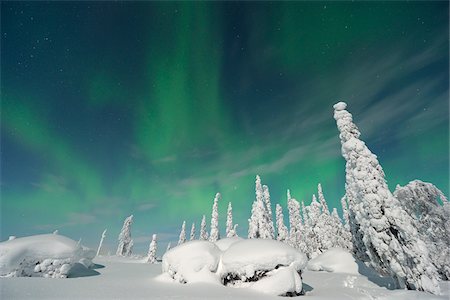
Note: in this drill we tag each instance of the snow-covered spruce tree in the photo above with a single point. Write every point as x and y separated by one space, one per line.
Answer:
268 214
345 214
203 233
258 226
125 241
151 256
322 200
340 237
229 228
432 220
182 238
101 242
192 235
388 233
316 231
214 235
295 222
233 231
253 228
282 232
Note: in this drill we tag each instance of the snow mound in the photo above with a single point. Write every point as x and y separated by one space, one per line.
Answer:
224 244
46 255
268 266
334 260
194 261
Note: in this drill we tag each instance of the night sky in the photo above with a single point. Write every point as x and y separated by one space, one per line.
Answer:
150 108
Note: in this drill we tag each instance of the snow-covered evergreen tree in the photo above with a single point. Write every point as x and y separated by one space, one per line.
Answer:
295 222
151 256
101 242
214 235
322 200
268 214
203 233
233 231
182 238
432 220
229 229
391 241
259 222
125 241
192 235
282 232
345 214
253 226
315 234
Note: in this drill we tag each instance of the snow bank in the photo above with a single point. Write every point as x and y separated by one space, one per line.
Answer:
334 260
46 255
224 244
194 261
265 265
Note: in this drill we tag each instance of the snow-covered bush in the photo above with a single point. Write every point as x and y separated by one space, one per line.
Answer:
46 255
193 261
265 265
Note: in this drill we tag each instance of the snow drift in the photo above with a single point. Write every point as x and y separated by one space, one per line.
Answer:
334 260
46 255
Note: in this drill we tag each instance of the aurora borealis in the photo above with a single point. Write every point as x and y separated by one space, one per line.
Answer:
150 108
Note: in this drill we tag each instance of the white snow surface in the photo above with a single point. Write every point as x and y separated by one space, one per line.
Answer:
224 244
46 255
125 278
334 260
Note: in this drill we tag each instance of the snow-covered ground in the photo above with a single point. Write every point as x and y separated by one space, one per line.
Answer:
122 278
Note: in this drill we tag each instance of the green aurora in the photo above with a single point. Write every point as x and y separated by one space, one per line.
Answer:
150 108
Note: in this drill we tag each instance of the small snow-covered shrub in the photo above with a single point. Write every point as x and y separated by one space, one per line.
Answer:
193 261
334 260
265 265
46 255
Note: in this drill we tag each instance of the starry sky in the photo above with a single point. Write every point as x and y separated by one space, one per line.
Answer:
150 108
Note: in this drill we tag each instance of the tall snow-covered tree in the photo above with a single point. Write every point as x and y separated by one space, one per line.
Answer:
340 237
229 229
192 235
268 213
316 231
282 232
151 256
182 238
125 241
203 233
101 242
391 241
295 222
214 235
322 200
432 220
345 213
259 226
